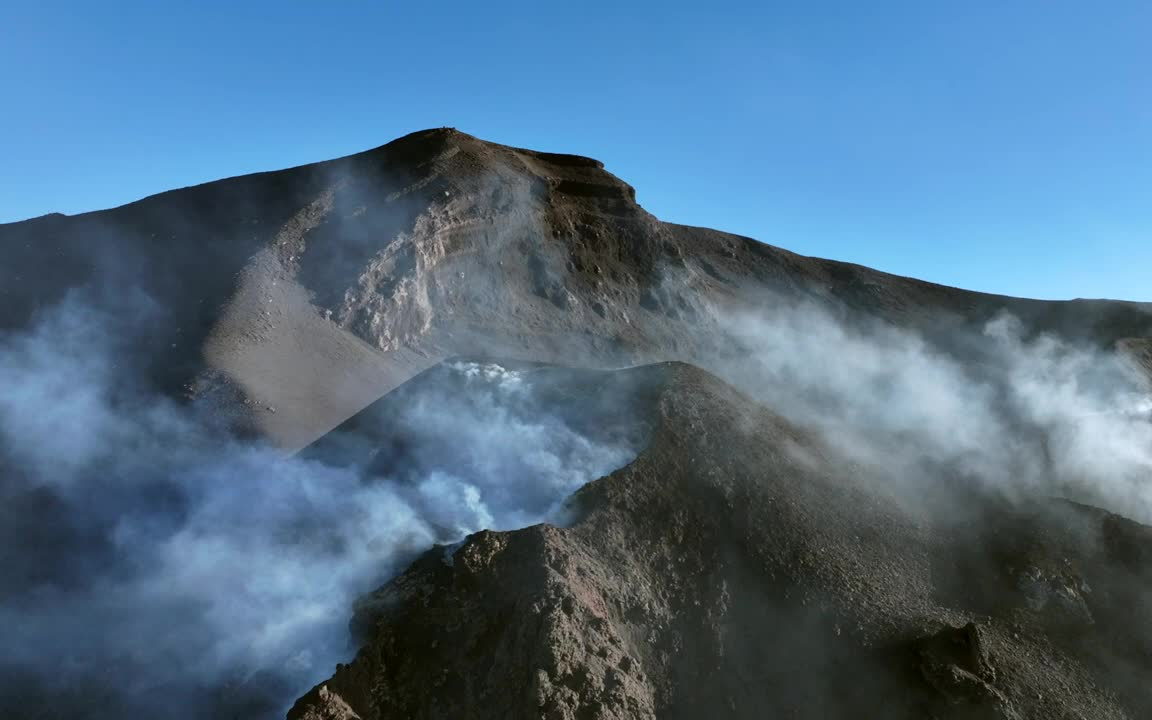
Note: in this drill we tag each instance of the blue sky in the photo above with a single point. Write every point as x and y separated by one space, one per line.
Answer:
1002 146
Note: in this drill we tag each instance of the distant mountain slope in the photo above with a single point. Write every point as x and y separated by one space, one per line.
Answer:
740 568
292 299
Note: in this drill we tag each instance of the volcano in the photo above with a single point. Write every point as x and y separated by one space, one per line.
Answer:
295 298
771 484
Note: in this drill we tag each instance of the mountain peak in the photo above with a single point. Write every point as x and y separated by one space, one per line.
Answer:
315 290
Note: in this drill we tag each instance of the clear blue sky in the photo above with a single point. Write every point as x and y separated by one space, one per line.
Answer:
998 145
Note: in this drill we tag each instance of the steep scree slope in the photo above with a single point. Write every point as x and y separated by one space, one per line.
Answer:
737 568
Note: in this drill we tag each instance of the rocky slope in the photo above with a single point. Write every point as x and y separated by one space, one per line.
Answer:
739 568
742 565
292 299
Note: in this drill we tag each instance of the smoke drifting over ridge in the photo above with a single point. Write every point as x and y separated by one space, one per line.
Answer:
1012 414
155 562
156 566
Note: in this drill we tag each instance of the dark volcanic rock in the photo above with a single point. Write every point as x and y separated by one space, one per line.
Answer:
738 568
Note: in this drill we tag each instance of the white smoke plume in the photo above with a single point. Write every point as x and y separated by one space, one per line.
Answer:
1018 415
156 567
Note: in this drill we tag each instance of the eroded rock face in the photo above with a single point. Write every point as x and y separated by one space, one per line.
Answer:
739 569
328 706
956 662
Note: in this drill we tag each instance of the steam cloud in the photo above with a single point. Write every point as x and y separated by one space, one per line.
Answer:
1014 414
156 567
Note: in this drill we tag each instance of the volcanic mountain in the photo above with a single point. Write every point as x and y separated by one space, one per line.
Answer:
295 298
770 484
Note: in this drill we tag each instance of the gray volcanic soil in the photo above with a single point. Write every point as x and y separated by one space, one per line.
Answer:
739 568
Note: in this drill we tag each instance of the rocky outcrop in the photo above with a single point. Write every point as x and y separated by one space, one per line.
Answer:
739 568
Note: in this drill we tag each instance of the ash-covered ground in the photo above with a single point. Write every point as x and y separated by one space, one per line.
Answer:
742 567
